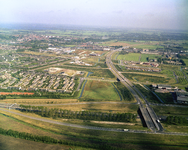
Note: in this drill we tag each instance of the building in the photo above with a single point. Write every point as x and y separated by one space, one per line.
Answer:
182 97
162 86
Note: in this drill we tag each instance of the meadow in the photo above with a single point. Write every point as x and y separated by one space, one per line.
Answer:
148 78
186 62
129 57
99 90
150 56
147 46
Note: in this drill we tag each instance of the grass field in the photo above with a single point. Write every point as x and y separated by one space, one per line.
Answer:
178 73
186 62
148 94
11 143
182 81
170 111
39 101
149 78
166 97
144 46
100 91
121 140
129 57
169 73
151 56
113 108
170 67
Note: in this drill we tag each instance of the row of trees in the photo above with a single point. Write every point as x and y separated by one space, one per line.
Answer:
83 115
49 140
176 120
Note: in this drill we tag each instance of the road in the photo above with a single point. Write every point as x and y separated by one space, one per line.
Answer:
149 116
91 127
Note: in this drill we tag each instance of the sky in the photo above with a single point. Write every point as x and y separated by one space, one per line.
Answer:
154 14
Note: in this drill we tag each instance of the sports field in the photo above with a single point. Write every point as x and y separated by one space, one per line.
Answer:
129 57
100 91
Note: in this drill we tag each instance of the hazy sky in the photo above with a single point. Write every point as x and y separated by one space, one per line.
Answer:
168 14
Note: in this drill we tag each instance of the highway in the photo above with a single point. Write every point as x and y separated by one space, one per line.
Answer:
148 114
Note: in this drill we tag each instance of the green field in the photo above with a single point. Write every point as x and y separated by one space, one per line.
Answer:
170 111
147 46
150 56
170 67
178 73
149 78
129 57
100 91
166 97
182 80
186 62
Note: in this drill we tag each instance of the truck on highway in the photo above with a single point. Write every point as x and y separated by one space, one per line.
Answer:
125 130
158 120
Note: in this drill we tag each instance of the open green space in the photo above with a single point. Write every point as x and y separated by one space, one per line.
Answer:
178 73
98 90
170 111
129 57
146 57
166 97
124 92
170 67
12 143
148 94
169 73
182 81
148 78
186 62
145 46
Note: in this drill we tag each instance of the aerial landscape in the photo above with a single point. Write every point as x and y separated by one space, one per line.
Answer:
89 75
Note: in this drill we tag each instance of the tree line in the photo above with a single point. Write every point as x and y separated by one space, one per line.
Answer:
176 120
83 115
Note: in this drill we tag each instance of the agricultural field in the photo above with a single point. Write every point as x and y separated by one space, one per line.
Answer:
98 90
150 56
129 57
